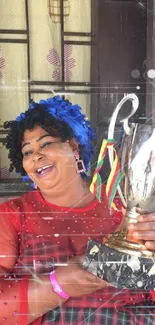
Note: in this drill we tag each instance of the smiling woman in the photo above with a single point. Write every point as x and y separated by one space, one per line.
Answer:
41 138
44 233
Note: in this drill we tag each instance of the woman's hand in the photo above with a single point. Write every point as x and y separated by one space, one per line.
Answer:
144 229
76 281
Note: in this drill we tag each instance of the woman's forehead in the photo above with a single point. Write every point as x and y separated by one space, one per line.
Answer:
33 134
36 131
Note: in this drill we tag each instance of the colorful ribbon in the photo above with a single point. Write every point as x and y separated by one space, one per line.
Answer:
114 177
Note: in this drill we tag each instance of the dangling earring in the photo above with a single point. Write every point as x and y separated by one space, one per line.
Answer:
35 186
80 168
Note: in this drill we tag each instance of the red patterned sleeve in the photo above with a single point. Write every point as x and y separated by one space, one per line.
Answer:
153 295
13 290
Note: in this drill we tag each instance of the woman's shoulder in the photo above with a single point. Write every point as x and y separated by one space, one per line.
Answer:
12 210
18 203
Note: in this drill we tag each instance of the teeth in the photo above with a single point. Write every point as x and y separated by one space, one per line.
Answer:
39 170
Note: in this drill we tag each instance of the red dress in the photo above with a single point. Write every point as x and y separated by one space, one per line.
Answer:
34 236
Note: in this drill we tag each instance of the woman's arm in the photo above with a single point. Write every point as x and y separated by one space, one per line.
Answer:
74 280
24 299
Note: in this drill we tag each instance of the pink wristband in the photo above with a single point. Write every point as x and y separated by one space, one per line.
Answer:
56 287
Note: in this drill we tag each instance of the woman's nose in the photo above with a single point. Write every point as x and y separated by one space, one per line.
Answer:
37 156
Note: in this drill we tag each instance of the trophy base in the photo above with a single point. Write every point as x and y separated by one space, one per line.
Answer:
122 270
128 247
123 240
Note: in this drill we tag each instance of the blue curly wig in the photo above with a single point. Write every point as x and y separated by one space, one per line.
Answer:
67 114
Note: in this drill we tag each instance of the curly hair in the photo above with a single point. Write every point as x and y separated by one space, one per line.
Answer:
42 114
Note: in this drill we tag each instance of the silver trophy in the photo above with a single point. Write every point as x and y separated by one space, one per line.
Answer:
121 260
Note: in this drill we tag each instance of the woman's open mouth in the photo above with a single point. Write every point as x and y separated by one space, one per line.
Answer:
41 171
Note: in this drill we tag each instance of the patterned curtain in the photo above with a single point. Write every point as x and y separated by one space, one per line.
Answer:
45 47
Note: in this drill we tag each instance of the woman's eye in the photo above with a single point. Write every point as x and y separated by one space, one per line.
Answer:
27 153
46 144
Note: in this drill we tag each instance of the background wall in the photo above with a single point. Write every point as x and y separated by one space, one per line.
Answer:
45 46
91 51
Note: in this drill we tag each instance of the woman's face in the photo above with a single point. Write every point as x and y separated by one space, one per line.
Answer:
48 162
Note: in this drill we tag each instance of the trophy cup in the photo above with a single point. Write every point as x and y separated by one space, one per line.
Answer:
121 260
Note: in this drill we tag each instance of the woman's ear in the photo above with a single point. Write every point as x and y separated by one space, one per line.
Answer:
74 144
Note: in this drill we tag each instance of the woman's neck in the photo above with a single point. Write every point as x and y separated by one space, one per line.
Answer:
76 196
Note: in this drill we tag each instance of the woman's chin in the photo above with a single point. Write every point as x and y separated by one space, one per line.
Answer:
47 184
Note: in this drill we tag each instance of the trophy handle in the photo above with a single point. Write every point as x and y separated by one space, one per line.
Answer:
135 103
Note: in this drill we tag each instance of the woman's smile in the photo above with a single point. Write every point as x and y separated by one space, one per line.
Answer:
43 171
